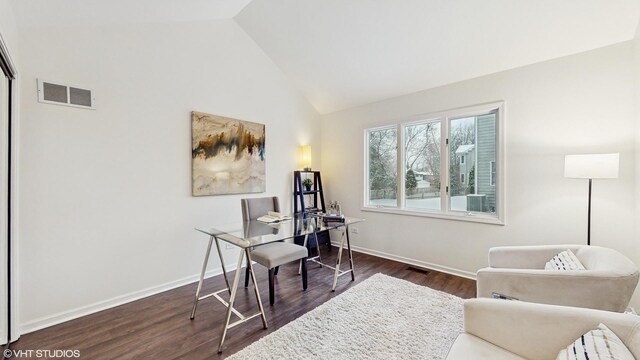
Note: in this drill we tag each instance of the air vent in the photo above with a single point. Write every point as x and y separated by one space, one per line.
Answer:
57 94
417 270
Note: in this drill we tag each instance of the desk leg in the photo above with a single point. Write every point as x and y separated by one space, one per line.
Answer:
204 269
232 298
335 276
255 287
224 270
353 276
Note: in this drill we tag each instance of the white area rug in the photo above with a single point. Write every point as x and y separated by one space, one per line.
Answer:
380 318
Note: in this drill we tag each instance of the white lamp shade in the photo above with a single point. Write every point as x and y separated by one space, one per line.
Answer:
305 156
592 166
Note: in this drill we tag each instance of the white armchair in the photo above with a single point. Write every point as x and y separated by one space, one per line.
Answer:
502 329
607 283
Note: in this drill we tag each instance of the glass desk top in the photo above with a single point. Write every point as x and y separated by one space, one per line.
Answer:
255 233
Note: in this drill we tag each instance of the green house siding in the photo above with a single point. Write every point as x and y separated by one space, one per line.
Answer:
486 153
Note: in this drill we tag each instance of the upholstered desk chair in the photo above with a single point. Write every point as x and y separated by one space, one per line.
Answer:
502 329
275 254
607 283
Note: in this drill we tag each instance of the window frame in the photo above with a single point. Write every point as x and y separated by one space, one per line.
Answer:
445 212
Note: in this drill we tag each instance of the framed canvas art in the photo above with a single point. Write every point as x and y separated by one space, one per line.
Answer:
228 155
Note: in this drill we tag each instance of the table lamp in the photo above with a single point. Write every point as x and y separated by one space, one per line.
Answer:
305 157
591 166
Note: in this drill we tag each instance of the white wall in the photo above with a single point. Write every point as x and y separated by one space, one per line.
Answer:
577 104
9 33
106 208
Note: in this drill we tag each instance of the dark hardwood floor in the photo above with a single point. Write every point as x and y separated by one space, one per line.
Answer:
158 327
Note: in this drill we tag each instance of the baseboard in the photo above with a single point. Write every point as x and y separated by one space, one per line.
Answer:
64 316
414 262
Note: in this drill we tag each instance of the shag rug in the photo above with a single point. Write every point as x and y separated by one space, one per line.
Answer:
380 318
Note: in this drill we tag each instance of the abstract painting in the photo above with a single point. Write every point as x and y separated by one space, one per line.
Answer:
227 155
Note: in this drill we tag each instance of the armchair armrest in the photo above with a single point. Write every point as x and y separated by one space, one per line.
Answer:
581 288
525 257
536 331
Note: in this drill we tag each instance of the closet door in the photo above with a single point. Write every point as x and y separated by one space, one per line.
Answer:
4 187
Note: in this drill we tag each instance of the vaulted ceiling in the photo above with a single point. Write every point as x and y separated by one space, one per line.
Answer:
345 53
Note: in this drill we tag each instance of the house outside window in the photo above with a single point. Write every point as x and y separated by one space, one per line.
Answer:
445 165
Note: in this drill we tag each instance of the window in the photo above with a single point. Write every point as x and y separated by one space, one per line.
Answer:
383 168
422 160
445 165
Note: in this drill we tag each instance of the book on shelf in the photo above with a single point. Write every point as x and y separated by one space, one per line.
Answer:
333 217
273 217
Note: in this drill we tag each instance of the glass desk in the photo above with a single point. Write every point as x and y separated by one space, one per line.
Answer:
250 234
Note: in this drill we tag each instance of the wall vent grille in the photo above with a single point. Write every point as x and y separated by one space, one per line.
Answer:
52 93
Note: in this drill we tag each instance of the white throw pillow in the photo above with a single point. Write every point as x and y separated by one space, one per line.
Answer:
600 343
565 260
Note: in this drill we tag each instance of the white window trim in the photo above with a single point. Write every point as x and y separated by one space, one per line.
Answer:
462 159
444 117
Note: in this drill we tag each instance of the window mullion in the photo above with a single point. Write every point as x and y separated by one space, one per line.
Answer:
444 164
400 167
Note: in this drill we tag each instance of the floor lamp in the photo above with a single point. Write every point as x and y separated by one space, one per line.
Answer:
591 166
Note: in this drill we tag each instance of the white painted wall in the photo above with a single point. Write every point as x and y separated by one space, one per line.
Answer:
9 33
577 104
106 208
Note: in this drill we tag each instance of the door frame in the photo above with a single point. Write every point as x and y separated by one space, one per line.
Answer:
8 70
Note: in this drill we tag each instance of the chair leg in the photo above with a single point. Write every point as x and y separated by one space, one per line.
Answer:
276 272
271 286
303 266
246 277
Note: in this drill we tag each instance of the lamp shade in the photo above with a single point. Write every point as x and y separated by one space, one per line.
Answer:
592 166
305 156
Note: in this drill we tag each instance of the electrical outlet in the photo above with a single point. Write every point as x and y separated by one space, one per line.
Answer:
354 230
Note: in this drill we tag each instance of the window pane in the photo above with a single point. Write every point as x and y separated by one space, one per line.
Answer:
383 167
422 168
472 180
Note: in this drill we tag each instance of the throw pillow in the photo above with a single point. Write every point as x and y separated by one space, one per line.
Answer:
600 343
565 260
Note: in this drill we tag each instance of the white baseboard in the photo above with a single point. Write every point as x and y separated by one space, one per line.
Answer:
64 316
408 261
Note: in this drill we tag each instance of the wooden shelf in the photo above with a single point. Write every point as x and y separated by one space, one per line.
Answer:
316 200
305 192
313 203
